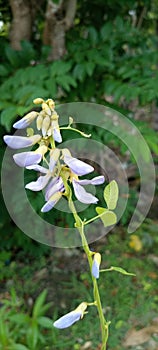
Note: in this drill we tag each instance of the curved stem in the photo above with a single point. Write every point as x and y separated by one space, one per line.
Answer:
103 323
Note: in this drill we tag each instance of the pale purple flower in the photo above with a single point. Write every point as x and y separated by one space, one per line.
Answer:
98 180
25 159
77 166
96 265
53 193
81 194
55 185
17 142
42 181
51 202
72 317
68 319
25 121
56 131
39 184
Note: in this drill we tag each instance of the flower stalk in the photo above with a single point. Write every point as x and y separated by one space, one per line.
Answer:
104 325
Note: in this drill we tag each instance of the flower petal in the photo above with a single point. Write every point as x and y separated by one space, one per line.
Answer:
25 121
68 319
54 155
95 181
21 124
56 135
25 159
51 202
56 185
96 265
95 269
16 142
77 166
39 184
39 168
82 195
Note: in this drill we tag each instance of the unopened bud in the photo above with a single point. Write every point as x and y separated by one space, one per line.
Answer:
38 100
51 104
46 108
39 120
45 125
96 265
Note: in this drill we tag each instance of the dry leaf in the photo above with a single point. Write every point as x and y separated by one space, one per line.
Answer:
134 337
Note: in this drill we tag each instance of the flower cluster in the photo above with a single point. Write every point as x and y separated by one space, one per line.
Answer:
62 169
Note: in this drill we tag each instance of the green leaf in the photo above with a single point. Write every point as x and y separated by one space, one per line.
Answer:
19 318
37 309
79 71
111 195
33 336
119 269
107 217
45 322
8 115
65 81
59 68
12 56
19 347
3 70
90 68
93 35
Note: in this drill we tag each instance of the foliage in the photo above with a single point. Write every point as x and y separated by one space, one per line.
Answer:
23 331
129 300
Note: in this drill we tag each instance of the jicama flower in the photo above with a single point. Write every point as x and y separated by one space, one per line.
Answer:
26 159
25 121
81 194
42 181
77 166
17 142
71 318
96 265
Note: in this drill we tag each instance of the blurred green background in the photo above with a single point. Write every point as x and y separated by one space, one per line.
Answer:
87 51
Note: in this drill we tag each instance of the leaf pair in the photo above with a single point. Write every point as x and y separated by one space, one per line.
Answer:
111 193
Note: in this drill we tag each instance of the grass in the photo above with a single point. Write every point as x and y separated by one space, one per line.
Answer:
128 301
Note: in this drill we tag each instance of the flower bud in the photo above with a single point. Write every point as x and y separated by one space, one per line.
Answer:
45 125
39 120
46 108
51 104
96 265
38 101
54 156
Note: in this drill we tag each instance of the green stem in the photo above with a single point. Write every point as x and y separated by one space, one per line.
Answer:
76 130
103 323
91 220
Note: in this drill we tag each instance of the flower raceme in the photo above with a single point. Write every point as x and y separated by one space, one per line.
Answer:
62 168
